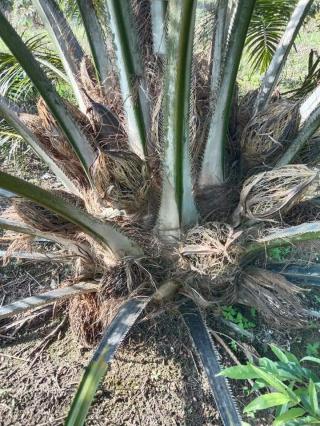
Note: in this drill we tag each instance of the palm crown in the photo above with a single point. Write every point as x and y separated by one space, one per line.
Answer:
169 182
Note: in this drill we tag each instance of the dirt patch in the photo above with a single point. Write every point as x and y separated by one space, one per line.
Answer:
153 381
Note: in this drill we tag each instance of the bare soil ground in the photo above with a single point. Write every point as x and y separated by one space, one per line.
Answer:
154 380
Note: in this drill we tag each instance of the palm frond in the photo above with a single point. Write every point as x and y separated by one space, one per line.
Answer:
279 58
102 232
97 40
177 202
81 145
57 256
129 69
12 118
75 247
309 105
269 20
7 133
15 83
218 46
285 237
209 359
114 335
158 16
308 275
212 168
309 127
47 298
67 46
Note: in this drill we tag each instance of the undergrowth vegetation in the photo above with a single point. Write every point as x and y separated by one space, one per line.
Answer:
293 387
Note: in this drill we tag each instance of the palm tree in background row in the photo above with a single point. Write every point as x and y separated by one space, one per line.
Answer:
171 186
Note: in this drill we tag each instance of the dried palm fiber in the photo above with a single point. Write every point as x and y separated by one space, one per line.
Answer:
99 207
246 108
201 108
108 310
212 250
142 21
131 277
43 219
217 203
49 122
19 243
210 293
121 178
91 87
269 195
274 297
268 134
106 127
84 318
54 143
134 278
87 77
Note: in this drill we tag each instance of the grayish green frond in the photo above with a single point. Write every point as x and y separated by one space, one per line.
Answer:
12 118
177 202
307 130
279 58
47 298
158 16
212 169
96 38
102 232
285 237
71 129
78 249
307 275
108 347
310 104
209 359
65 42
129 67
218 49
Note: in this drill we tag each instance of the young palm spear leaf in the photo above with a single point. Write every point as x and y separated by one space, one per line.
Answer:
150 209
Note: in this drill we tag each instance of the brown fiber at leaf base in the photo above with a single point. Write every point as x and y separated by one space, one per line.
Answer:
275 298
268 134
43 219
84 318
121 178
208 249
209 263
19 243
269 195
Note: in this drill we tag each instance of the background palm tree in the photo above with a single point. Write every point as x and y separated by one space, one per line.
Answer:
170 184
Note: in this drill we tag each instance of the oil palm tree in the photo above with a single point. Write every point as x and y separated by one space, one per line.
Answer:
170 184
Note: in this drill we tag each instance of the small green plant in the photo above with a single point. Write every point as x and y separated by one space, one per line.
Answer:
233 314
313 349
293 390
279 253
233 345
